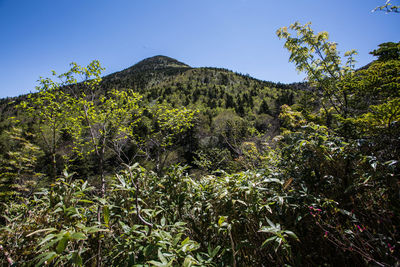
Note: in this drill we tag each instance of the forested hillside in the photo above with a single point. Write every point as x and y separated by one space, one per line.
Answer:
232 109
163 164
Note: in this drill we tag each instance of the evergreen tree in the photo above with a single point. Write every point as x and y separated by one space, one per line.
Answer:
264 109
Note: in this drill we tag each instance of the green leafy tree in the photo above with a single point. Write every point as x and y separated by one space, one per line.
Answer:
378 82
17 166
99 125
264 108
49 110
354 160
387 51
231 130
169 124
105 120
96 123
313 54
375 94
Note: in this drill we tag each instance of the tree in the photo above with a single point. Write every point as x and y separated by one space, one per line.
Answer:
387 51
106 119
264 109
17 167
52 107
231 130
319 59
168 124
375 98
49 110
353 159
97 123
377 82
99 126
105 123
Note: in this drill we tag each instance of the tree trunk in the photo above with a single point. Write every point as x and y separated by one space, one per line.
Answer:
99 208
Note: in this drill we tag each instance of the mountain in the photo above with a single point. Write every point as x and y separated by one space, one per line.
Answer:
138 75
163 78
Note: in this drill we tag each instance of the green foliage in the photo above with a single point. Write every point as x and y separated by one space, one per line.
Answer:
387 51
230 129
107 120
148 219
169 124
17 166
352 161
320 60
56 224
345 172
290 119
243 219
49 107
383 115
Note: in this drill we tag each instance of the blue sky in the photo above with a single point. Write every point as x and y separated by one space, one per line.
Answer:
43 35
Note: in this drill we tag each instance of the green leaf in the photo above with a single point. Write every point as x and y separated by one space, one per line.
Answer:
47 238
291 234
221 220
156 263
78 236
179 224
124 227
85 201
273 238
48 256
62 244
106 214
48 230
148 250
76 259
189 261
162 258
49 244
215 251
270 223
184 242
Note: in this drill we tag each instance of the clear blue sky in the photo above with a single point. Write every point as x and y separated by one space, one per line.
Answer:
37 36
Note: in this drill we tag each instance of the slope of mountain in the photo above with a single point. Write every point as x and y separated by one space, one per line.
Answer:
165 79
227 101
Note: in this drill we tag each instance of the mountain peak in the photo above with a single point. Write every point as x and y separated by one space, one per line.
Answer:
158 62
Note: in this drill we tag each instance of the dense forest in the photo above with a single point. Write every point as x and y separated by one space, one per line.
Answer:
163 164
